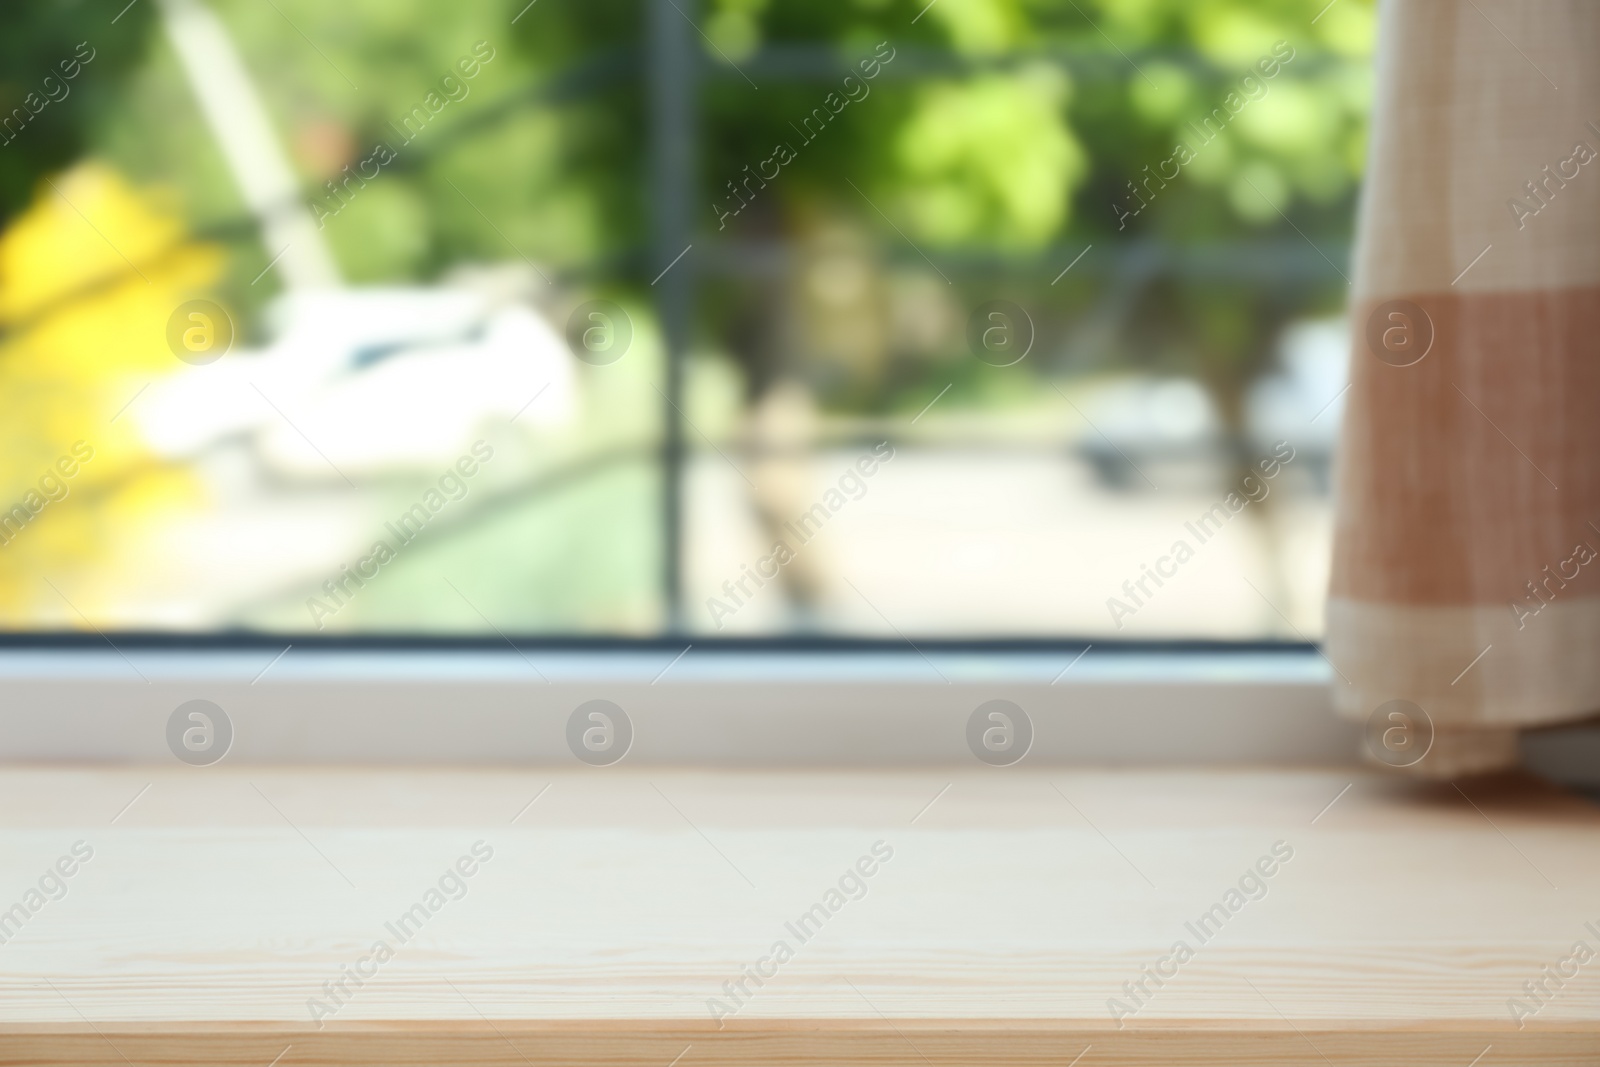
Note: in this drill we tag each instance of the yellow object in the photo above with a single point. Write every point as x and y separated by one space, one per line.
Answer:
89 276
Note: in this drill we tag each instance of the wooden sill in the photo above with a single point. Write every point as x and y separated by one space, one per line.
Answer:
218 908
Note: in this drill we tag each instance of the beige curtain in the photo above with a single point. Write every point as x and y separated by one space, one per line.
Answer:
1466 572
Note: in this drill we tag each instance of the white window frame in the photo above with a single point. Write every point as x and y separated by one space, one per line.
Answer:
713 707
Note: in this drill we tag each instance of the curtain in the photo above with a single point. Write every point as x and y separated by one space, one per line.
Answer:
1465 589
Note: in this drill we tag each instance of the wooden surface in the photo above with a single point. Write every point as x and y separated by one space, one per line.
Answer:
615 906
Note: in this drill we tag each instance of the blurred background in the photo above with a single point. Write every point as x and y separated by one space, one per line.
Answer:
580 310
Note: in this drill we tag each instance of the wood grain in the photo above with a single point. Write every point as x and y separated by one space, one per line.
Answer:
221 905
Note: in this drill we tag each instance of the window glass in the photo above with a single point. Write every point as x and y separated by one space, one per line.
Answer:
974 318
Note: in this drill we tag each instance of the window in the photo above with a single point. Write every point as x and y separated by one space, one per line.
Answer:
967 320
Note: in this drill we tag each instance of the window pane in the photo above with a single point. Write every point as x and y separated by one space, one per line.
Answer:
624 318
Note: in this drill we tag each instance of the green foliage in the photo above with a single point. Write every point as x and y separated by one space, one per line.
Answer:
36 38
1014 127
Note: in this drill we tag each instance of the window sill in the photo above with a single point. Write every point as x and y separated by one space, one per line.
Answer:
618 910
